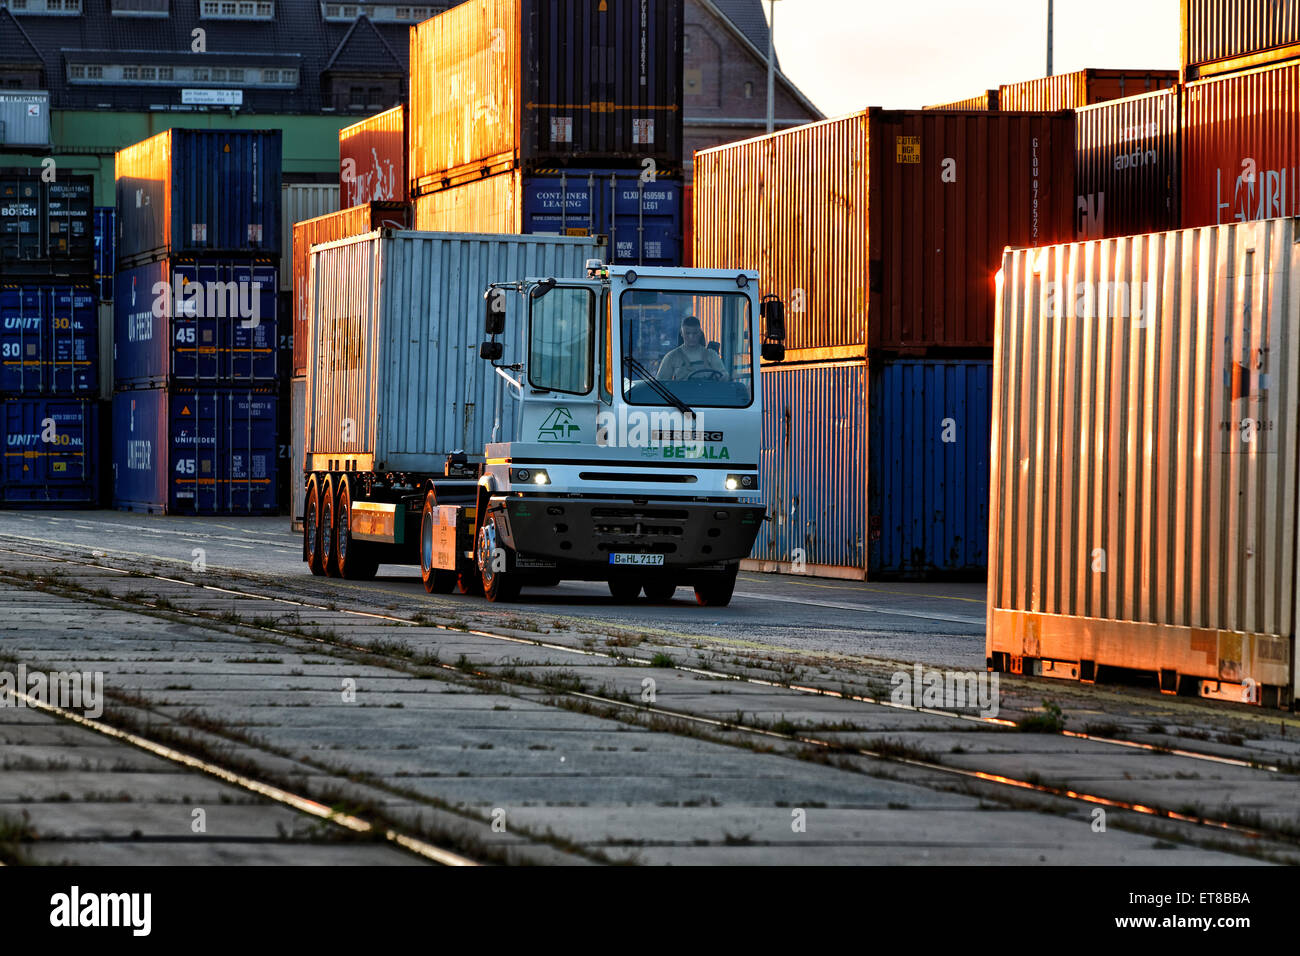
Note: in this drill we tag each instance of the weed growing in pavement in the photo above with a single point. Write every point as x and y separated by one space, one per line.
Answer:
662 660
1051 721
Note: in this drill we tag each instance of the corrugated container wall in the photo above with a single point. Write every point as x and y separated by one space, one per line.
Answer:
546 82
902 258
494 204
196 192
1224 35
24 118
1127 165
49 340
353 221
410 304
301 201
297 487
1144 463
37 473
195 451
372 160
1070 91
46 228
988 100
1241 147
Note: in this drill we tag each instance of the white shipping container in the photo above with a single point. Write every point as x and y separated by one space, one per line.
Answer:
24 118
1144 478
394 378
301 201
297 486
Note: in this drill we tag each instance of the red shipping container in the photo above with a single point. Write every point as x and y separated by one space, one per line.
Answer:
885 229
1225 36
1241 147
1069 91
372 159
355 221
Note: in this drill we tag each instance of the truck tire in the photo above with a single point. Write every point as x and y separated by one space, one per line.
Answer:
716 589
328 551
660 592
498 585
355 559
436 580
311 542
625 590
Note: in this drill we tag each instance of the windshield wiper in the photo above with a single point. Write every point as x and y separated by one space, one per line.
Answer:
660 388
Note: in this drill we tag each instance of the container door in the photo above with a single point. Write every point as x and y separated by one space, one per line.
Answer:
74 341
22 332
251 324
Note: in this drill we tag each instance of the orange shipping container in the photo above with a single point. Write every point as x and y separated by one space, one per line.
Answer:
1069 91
487 205
885 229
372 159
355 221
1225 36
988 100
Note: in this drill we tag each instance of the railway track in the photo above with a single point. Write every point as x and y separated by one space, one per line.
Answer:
616 699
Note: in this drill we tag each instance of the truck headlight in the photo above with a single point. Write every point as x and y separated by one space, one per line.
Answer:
742 482
526 476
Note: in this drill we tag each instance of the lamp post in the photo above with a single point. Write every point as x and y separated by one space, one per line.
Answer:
1050 4
771 62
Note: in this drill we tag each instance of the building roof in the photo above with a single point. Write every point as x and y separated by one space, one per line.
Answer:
749 19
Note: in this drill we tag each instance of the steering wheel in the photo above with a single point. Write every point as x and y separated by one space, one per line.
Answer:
716 376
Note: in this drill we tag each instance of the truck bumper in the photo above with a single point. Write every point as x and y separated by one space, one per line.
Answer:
587 531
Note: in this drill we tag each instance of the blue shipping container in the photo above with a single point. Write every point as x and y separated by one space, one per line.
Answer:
187 451
643 220
51 453
204 322
49 340
105 251
929 467
883 474
197 192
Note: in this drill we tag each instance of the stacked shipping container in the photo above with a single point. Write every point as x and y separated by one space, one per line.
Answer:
372 160
50 355
195 413
574 128
883 232
1072 91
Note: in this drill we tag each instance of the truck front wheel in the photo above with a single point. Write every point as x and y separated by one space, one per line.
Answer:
716 589
499 584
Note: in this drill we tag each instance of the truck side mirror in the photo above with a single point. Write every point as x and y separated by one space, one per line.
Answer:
772 311
494 311
492 351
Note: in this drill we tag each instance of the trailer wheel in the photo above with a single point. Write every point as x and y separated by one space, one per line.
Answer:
311 529
498 584
625 590
716 589
355 559
660 592
436 580
328 552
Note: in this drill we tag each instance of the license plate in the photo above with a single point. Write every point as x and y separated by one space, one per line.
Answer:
638 559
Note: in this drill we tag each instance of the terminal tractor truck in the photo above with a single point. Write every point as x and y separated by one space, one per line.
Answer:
605 426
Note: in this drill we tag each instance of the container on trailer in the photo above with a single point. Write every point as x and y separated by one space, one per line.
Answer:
642 221
299 201
907 497
1127 164
885 229
1070 91
195 451
49 340
294 463
419 322
1241 147
24 118
372 159
1224 36
1144 476
105 251
988 100
51 453
46 227
353 221
199 192
544 83
196 321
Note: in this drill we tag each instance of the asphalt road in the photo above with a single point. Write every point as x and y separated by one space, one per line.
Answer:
941 624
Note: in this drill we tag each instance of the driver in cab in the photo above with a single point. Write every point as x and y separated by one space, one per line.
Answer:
693 358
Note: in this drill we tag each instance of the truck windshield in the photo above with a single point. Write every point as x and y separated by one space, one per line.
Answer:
697 344
561 341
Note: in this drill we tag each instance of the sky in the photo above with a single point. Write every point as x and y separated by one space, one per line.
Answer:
847 54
